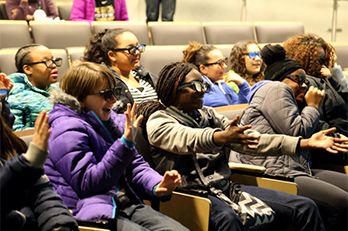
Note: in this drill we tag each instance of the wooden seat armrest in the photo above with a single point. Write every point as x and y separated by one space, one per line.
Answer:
246 167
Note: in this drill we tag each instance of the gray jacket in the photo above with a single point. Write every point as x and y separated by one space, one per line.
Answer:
273 110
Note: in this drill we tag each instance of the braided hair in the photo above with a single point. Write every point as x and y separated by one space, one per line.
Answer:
23 56
101 43
168 81
238 62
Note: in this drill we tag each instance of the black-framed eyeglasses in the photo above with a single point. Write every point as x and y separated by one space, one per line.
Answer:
132 50
253 54
221 62
108 93
48 62
4 92
196 85
300 79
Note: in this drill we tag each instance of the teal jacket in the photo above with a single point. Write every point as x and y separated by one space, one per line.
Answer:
27 101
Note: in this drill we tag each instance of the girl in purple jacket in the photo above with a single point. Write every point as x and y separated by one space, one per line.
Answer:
93 164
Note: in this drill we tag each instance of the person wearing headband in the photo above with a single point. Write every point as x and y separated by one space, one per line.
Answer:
274 109
37 73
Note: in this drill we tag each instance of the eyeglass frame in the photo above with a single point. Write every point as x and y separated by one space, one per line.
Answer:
220 62
140 46
254 54
112 90
192 85
300 79
54 61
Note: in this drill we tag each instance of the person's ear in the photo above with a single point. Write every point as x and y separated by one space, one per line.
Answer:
112 56
203 69
27 70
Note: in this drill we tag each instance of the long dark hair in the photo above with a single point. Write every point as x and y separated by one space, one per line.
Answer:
10 143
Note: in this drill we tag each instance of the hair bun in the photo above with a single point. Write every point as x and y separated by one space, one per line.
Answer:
272 53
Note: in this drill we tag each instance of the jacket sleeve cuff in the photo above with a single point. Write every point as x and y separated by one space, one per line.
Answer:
165 198
36 156
129 143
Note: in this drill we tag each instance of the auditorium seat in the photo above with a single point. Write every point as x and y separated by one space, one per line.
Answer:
64 10
276 32
74 53
58 35
227 32
342 54
156 57
140 29
14 33
176 33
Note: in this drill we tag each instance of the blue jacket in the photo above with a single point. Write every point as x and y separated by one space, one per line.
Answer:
222 94
87 162
27 101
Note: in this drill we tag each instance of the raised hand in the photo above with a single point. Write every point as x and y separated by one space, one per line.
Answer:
170 181
237 135
320 140
228 77
41 131
132 123
314 96
5 82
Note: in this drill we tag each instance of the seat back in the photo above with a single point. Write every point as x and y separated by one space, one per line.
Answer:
3 13
176 33
14 34
276 32
75 53
7 61
64 10
58 35
231 111
156 57
342 54
139 29
227 32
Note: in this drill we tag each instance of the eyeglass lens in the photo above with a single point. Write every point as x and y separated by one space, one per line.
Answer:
140 48
252 55
50 62
107 94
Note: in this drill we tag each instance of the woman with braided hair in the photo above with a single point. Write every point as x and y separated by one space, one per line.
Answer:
179 126
120 51
211 64
37 73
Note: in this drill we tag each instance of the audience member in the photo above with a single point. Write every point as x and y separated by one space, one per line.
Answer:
94 168
120 51
179 127
28 200
98 10
246 62
153 7
24 9
211 64
274 110
36 74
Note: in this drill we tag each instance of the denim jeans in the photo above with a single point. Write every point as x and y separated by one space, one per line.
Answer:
298 212
142 217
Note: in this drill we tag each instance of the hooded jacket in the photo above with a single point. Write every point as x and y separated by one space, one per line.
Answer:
273 110
87 162
27 101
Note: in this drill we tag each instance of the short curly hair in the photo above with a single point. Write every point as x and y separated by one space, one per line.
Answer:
305 49
238 62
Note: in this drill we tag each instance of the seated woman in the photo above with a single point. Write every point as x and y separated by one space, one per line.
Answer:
24 9
246 63
28 200
274 110
36 74
120 51
91 10
179 127
93 164
211 64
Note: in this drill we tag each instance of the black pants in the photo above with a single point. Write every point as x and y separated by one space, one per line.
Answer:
152 10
